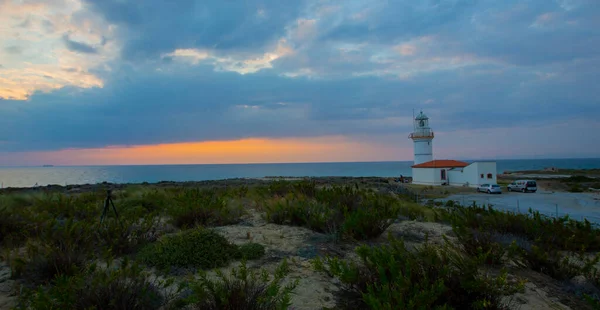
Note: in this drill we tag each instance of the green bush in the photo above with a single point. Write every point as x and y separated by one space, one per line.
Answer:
194 207
125 287
343 211
199 247
153 200
11 225
551 233
243 289
250 251
60 248
67 206
391 277
125 235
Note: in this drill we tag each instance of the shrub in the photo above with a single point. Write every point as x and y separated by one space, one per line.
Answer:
66 206
343 211
11 225
125 287
60 248
576 188
551 233
193 207
197 247
125 235
391 277
250 251
153 200
243 289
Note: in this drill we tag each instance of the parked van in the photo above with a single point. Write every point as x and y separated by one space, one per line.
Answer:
522 186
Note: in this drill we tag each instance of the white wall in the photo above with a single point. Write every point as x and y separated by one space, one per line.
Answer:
425 176
486 168
423 150
458 176
471 174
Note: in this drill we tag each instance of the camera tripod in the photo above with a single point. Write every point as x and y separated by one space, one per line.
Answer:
107 203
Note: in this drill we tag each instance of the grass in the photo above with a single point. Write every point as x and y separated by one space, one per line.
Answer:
561 248
344 211
124 287
392 277
199 247
52 241
242 289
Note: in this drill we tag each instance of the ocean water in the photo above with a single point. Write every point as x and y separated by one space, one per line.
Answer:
67 175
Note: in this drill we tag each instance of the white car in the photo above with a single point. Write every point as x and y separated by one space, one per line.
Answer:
489 188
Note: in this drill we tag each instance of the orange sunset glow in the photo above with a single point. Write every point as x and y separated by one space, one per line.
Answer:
252 150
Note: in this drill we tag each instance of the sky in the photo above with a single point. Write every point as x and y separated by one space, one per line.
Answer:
86 82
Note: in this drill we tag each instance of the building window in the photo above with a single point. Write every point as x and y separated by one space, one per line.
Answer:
482 175
489 175
443 174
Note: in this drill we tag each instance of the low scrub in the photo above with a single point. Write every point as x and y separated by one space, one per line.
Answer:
203 207
558 247
242 289
343 211
12 225
60 248
199 247
124 287
391 277
281 188
561 233
125 235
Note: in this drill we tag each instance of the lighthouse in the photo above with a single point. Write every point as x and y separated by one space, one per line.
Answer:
422 137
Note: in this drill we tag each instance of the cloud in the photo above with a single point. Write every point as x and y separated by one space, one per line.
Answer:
111 75
75 46
40 39
212 24
14 49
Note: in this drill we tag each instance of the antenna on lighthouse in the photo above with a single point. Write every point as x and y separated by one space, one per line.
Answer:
413 120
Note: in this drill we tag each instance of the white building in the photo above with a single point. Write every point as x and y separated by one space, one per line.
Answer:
427 171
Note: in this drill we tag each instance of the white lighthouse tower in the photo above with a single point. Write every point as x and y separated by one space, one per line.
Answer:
422 137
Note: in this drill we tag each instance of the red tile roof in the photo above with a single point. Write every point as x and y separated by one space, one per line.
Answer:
442 163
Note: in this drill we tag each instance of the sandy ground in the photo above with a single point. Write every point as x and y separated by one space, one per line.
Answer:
6 287
577 205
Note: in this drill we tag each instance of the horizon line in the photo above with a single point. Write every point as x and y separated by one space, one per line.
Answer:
287 163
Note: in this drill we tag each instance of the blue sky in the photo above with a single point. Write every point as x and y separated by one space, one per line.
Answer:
498 79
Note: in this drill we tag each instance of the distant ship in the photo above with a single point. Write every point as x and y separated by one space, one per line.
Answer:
48 166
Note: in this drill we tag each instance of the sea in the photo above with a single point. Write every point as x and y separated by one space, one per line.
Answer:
70 175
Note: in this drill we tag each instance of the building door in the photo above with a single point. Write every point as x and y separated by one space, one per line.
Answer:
443 172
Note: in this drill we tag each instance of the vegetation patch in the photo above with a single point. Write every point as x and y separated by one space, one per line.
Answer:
124 287
199 247
391 277
559 247
203 207
343 211
242 289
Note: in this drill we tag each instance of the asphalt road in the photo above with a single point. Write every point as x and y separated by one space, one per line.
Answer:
577 205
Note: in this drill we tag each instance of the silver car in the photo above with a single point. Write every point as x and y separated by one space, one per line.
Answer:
489 188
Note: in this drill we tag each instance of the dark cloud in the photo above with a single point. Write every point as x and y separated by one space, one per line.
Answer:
157 26
78 46
393 21
483 65
194 104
